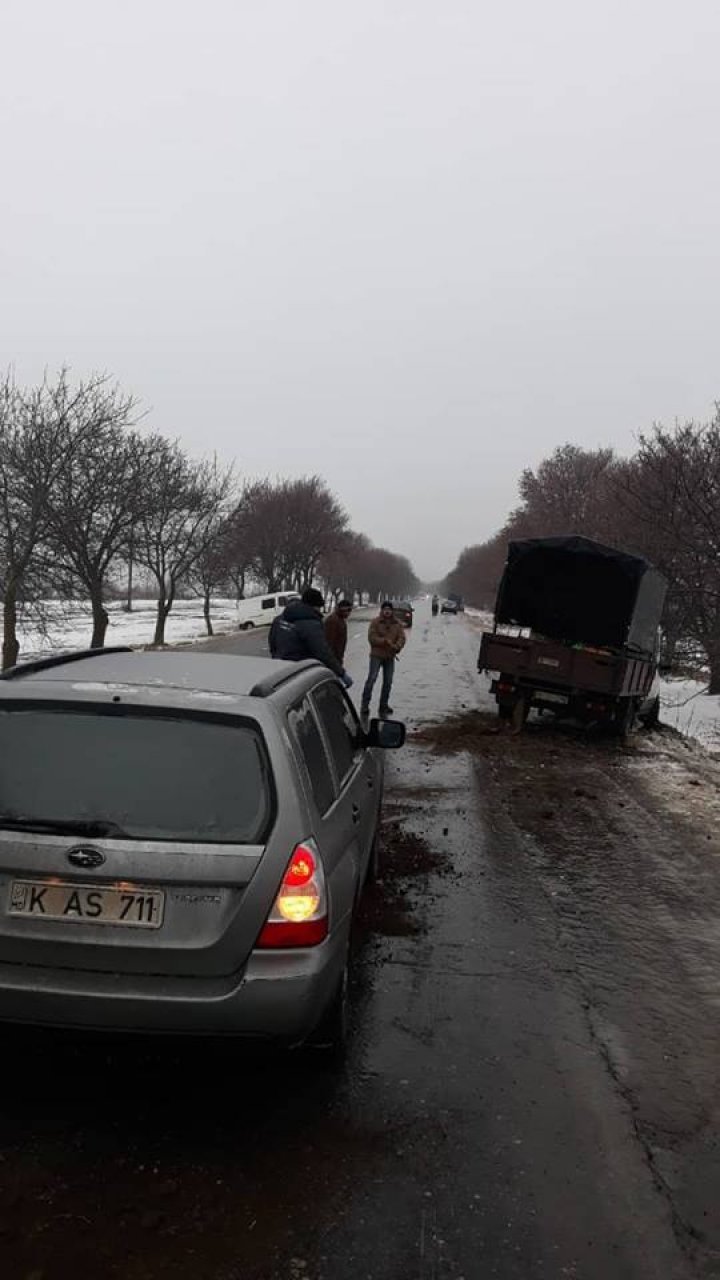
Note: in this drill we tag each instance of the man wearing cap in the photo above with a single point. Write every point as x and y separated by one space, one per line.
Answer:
387 637
298 634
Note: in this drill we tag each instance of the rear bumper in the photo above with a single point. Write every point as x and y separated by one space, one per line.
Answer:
280 996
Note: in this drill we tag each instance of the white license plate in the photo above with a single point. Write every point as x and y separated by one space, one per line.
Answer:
87 903
553 697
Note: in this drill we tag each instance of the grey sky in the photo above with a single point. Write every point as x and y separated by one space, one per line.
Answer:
412 245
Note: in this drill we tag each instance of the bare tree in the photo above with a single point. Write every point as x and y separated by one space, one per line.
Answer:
567 493
179 521
670 491
97 494
215 566
314 522
33 448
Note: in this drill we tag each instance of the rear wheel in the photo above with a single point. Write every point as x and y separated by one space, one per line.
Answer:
247 626
331 1034
624 718
651 717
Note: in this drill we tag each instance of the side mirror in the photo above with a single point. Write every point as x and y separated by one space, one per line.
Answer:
387 734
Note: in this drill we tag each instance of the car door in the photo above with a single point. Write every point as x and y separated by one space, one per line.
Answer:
357 770
268 610
332 824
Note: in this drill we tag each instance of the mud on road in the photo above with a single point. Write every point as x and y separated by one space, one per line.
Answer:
624 841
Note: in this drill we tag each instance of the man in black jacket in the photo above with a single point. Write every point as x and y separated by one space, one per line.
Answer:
299 634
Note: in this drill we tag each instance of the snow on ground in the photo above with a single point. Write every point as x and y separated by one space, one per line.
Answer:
70 625
687 707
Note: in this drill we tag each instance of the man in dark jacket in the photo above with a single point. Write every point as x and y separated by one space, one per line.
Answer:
298 634
336 629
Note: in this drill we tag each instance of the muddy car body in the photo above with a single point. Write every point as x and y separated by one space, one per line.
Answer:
183 841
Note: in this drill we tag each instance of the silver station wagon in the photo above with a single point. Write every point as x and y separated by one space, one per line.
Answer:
183 841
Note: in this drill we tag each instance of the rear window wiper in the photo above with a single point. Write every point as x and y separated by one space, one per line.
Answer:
62 826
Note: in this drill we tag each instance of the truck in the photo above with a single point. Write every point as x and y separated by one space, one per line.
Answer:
576 633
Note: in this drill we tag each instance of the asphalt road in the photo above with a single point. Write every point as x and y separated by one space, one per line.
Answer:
531 1089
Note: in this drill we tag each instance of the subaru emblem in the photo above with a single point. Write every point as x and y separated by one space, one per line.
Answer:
86 858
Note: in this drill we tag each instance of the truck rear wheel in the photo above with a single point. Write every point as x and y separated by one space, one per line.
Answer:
651 717
624 717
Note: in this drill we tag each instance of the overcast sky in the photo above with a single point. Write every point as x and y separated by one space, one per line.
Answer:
410 244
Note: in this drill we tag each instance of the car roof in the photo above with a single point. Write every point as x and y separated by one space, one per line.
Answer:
174 673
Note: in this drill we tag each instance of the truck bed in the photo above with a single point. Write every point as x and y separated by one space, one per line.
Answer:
547 664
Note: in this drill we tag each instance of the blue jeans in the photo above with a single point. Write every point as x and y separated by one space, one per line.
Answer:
387 666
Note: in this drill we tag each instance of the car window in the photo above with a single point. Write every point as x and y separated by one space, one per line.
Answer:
304 729
282 600
269 603
340 727
154 777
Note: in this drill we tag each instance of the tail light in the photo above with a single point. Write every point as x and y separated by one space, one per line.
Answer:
505 687
299 916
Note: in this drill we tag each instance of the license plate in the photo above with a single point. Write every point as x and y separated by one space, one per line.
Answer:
553 697
87 904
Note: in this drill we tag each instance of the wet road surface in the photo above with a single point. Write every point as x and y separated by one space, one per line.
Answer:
531 1089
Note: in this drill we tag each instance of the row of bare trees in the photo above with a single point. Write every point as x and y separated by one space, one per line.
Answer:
86 494
663 503
353 567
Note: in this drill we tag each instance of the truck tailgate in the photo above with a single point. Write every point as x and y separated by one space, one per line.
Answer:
548 663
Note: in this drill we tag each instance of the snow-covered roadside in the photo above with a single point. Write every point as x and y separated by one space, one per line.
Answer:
70 625
687 707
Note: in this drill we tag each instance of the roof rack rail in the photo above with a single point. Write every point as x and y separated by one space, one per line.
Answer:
285 671
59 660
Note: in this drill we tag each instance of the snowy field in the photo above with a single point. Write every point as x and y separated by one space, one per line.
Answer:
70 625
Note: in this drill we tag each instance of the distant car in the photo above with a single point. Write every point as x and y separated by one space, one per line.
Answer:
187 851
404 613
459 602
449 606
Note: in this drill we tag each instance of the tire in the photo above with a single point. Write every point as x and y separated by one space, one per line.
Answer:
651 717
624 718
504 711
330 1036
247 626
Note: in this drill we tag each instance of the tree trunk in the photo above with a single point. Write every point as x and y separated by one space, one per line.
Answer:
11 647
206 613
165 602
160 620
100 618
714 660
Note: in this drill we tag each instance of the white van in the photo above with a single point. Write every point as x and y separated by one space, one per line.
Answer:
259 611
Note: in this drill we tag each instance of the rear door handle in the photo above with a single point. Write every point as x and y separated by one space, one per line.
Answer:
356 813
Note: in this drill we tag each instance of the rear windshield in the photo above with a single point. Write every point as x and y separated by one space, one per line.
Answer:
156 778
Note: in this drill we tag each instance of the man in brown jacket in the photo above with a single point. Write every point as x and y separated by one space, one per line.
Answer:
387 637
336 629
